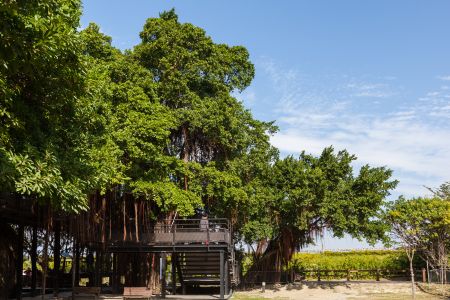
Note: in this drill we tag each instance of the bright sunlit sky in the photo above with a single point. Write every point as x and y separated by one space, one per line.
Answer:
372 77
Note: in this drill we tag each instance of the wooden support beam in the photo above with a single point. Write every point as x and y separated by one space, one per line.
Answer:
34 260
226 275
77 263
98 264
74 265
19 262
174 273
115 286
180 275
163 275
222 277
57 258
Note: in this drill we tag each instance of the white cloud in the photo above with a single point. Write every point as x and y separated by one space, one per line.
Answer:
445 78
377 90
411 138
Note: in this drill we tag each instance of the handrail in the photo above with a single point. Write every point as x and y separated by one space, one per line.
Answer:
184 231
216 231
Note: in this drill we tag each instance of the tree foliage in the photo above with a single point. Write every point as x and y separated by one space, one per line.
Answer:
422 224
310 194
41 78
160 122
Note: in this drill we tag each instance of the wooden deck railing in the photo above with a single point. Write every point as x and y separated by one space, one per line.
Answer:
193 231
177 232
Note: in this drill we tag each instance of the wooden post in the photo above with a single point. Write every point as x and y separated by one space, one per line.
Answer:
98 264
163 275
115 286
57 258
19 262
424 276
45 258
318 275
180 275
348 275
222 283
34 260
174 273
77 263
74 264
226 276
378 274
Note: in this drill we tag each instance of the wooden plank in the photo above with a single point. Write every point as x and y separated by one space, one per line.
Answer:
86 290
217 273
205 281
200 267
137 291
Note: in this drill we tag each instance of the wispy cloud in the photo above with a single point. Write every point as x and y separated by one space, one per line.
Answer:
371 90
444 78
405 137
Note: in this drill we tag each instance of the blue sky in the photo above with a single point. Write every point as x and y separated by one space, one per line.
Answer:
370 77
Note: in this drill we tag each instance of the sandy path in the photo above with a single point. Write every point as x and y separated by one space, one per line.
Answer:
337 291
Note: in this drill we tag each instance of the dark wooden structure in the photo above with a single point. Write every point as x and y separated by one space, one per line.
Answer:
200 255
119 243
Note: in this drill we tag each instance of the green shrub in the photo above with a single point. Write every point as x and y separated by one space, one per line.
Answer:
328 261
352 260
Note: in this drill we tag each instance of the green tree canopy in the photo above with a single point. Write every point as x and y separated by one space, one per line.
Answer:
41 78
422 224
310 194
160 121
180 139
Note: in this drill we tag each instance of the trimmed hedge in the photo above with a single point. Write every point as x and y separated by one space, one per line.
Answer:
353 260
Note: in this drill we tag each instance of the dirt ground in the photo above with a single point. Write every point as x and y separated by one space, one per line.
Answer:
337 291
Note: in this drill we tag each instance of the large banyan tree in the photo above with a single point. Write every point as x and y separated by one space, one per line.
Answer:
163 124
157 131
311 194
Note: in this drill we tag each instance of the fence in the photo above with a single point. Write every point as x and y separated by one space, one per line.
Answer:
257 277
439 276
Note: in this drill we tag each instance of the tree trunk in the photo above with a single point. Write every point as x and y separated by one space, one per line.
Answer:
56 258
185 153
19 262
124 214
410 254
153 282
277 254
45 262
136 220
34 260
7 261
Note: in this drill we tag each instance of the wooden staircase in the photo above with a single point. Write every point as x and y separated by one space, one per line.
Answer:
196 269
